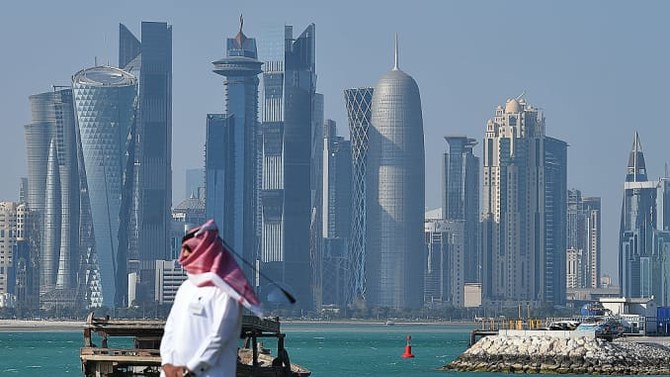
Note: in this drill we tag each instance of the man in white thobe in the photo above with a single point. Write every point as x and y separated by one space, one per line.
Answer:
203 328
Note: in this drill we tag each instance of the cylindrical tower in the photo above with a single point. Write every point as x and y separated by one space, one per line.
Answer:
396 194
105 100
359 106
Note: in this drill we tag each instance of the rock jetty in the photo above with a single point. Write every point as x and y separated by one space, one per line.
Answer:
555 355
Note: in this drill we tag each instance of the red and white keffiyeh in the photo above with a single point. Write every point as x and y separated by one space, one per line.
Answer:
211 263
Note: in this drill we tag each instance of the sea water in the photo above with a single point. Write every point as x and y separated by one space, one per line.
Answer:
328 350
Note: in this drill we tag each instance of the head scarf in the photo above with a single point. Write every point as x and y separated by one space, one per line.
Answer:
212 263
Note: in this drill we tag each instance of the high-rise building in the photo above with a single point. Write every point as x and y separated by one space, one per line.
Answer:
359 111
336 214
395 193
640 269
289 108
54 193
554 222
231 190
105 103
445 265
218 160
583 238
9 234
460 199
523 209
150 61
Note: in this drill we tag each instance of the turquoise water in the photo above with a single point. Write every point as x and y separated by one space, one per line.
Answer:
328 350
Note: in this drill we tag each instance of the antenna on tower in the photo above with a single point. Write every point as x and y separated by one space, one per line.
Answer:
395 54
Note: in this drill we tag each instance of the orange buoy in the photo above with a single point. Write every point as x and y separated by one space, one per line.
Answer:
408 349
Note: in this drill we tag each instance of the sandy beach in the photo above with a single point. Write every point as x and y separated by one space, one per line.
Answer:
7 325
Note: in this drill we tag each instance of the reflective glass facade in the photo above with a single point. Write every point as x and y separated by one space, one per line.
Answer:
460 199
583 237
336 214
235 167
54 189
641 247
105 103
289 91
150 60
395 194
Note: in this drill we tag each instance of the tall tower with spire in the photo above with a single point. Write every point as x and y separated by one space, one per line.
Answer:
638 270
231 158
395 193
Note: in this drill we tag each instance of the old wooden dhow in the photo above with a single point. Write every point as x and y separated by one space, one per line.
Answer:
130 348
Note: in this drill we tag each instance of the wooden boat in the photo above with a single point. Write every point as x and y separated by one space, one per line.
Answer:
130 348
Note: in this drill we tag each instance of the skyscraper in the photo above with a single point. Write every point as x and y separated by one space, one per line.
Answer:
583 236
218 166
445 262
555 204
523 209
395 193
639 262
105 103
336 214
460 199
359 111
54 192
150 60
289 92
237 217
8 237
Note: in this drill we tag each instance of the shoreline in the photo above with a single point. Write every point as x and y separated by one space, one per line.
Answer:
368 322
18 325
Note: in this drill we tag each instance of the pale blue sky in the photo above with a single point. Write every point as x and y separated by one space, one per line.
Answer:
599 69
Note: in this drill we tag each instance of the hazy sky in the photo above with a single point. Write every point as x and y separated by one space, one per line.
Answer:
598 69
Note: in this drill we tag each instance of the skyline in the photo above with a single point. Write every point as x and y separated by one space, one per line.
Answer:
597 73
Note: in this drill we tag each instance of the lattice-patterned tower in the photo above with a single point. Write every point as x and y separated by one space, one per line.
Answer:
359 105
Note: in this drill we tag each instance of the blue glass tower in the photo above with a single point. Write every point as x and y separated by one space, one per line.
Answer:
105 104
638 263
460 200
231 174
150 60
289 101
336 227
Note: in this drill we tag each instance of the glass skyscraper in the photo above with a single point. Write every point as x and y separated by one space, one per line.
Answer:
359 110
105 102
231 173
54 194
460 199
523 209
639 257
289 104
395 193
150 61
336 214
583 238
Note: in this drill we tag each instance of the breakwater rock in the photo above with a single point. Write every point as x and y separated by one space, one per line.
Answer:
555 355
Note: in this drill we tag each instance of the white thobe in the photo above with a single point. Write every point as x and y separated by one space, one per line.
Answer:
202 331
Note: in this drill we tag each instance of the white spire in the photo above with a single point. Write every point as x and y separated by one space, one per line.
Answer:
395 54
